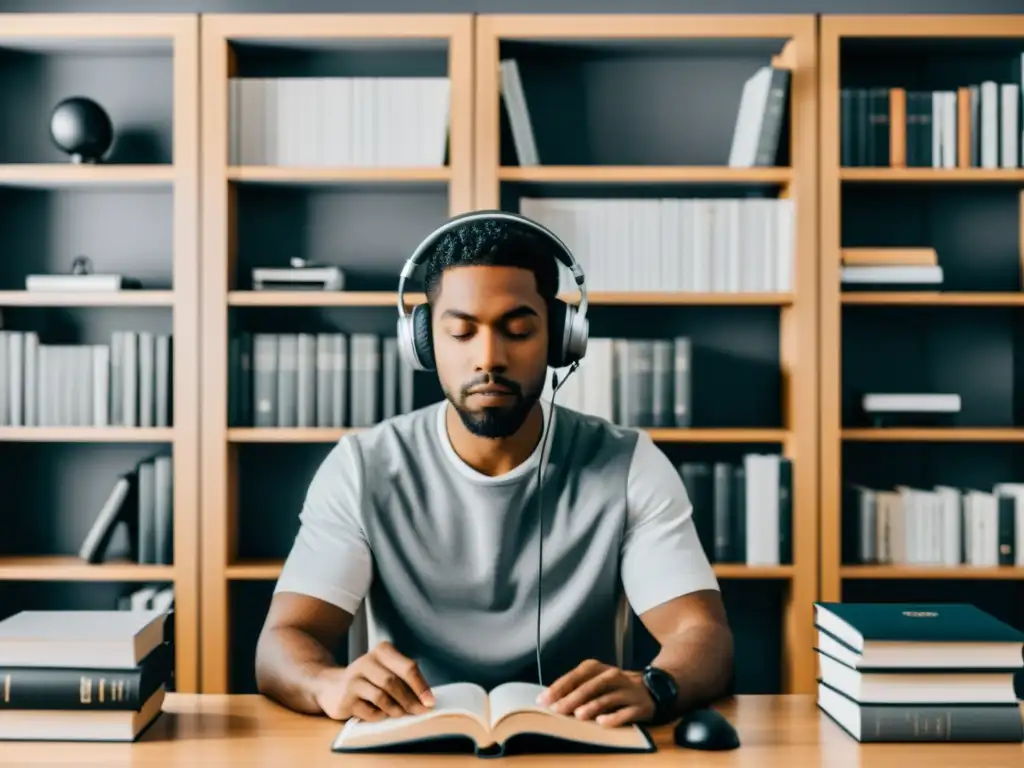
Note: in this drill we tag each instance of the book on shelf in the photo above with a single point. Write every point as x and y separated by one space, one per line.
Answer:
632 382
743 511
141 503
760 119
941 525
972 125
918 672
338 121
492 723
901 269
327 379
718 245
126 383
82 675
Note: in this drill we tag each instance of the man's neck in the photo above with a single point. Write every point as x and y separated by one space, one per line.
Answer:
495 456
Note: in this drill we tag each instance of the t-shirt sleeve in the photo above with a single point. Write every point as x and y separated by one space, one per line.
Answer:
330 558
662 555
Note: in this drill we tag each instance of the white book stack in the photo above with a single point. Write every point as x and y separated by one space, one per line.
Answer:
684 245
338 121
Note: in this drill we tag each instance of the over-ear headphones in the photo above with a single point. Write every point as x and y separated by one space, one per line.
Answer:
568 325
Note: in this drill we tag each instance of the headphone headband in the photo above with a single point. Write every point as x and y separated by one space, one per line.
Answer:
562 252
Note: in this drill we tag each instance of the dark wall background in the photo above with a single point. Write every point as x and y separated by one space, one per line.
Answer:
513 6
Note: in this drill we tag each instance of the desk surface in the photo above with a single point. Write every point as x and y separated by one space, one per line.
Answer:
250 731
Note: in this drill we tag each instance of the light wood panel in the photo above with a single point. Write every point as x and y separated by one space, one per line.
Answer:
774 732
833 179
220 180
178 33
798 313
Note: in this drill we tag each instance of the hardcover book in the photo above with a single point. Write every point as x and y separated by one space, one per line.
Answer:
490 724
917 636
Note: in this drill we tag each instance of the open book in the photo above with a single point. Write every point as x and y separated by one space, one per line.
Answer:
506 720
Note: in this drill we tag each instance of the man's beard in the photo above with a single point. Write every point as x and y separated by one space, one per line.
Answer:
496 421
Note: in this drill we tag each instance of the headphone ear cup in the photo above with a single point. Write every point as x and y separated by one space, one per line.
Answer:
559 315
422 335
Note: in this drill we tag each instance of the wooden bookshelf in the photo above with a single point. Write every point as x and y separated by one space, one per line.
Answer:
922 52
499 177
227 49
34 173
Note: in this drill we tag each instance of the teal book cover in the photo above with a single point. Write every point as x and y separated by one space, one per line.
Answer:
918 622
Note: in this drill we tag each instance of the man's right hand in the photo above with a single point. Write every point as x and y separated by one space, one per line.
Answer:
379 684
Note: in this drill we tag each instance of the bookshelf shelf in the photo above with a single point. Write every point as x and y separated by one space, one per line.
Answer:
644 174
147 298
660 435
87 434
601 157
926 175
936 434
257 212
928 199
936 299
269 570
269 174
135 213
930 572
67 175
600 298
51 568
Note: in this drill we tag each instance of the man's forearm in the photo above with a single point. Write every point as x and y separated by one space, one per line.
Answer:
700 659
288 665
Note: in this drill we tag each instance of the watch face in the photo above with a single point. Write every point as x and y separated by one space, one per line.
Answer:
661 685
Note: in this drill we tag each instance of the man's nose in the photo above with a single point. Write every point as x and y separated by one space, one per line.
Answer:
491 351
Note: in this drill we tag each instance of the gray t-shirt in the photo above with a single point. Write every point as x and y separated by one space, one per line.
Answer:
446 557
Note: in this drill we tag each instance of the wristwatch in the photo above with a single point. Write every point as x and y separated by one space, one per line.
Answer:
663 689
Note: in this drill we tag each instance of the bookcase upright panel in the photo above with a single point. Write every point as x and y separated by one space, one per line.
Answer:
290 172
587 123
921 171
100 386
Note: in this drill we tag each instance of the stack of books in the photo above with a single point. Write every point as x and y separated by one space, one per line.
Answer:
82 675
897 672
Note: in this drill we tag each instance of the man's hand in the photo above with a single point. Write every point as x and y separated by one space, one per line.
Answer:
379 684
598 691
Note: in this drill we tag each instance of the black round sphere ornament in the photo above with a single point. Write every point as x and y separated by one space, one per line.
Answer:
81 128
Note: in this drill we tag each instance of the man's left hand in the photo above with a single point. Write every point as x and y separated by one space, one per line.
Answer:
596 691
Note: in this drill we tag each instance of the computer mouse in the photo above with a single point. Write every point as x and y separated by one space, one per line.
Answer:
706 729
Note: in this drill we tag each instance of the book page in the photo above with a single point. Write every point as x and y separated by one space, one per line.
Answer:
452 700
514 710
517 697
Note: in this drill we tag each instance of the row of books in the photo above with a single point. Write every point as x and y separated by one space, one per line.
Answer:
137 519
973 126
80 675
941 525
919 672
126 383
326 379
725 245
743 511
632 382
338 121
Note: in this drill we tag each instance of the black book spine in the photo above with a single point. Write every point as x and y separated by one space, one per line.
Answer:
938 722
62 689
785 511
1007 511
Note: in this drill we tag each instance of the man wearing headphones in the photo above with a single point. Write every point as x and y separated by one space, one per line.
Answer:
493 535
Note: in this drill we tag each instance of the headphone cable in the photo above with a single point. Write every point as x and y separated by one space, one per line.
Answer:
555 385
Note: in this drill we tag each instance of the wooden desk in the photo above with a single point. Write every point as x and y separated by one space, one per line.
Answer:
252 732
